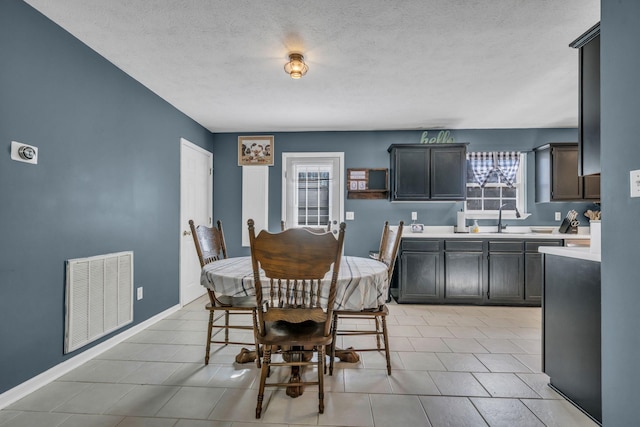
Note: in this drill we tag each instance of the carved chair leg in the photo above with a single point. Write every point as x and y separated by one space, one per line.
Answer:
209 330
263 378
385 336
226 329
321 362
332 353
378 332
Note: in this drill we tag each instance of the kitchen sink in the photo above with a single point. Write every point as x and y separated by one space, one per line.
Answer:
507 231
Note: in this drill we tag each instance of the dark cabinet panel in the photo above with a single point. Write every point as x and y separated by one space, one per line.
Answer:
533 269
448 173
571 330
411 170
506 276
589 101
557 176
590 107
423 172
566 184
463 276
592 187
533 277
419 276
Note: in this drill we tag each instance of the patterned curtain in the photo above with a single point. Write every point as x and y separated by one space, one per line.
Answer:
481 166
503 163
507 163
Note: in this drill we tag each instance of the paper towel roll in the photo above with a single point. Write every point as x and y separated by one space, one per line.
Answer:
461 223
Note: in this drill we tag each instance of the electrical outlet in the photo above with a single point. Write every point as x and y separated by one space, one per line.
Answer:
634 182
349 216
558 216
414 216
139 295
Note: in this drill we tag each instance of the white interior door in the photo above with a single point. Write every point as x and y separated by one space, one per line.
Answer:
196 203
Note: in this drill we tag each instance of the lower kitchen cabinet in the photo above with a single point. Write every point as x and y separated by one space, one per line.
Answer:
420 271
464 268
506 277
533 269
471 271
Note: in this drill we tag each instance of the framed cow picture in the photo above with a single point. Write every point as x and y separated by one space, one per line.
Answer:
255 150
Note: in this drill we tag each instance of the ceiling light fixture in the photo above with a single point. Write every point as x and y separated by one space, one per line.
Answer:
296 67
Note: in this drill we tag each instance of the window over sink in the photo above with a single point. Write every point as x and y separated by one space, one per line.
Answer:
495 179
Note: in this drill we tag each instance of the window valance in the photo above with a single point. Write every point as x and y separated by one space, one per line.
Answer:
505 164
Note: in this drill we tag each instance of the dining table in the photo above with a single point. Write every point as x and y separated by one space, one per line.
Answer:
362 284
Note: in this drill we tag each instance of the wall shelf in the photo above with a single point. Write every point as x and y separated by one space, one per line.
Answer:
367 183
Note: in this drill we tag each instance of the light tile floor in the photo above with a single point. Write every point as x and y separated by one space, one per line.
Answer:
452 366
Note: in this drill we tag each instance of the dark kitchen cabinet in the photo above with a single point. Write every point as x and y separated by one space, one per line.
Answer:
420 271
589 101
471 271
571 331
591 187
464 271
506 271
428 172
557 176
533 269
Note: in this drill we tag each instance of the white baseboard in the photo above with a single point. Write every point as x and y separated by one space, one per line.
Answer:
33 384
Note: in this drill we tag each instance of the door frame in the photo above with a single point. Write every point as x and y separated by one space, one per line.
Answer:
184 143
341 177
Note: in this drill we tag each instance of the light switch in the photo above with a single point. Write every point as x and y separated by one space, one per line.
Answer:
349 216
634 182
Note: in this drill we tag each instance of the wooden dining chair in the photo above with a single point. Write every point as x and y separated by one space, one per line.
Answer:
389 244
210 247
295 304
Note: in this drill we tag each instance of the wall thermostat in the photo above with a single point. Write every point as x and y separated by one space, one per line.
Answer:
24 153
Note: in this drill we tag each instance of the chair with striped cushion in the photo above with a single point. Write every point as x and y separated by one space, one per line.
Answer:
389 244
210 246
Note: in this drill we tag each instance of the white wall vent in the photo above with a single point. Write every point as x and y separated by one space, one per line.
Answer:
99 297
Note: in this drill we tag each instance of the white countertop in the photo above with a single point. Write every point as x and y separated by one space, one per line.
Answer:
571 252
511 232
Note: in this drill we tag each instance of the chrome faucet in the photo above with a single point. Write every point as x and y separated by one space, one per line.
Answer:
500 226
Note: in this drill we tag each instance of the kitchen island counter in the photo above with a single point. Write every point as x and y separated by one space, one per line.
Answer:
571 326
571 252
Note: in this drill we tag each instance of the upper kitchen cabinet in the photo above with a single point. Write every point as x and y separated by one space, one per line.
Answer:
428 172
589 104
557 175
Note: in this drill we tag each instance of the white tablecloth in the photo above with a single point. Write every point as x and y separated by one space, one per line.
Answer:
362 282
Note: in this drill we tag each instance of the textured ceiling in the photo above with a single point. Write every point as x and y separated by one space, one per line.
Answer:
373 64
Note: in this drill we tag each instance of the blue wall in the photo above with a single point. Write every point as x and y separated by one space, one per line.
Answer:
369 149
620 153
107 180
